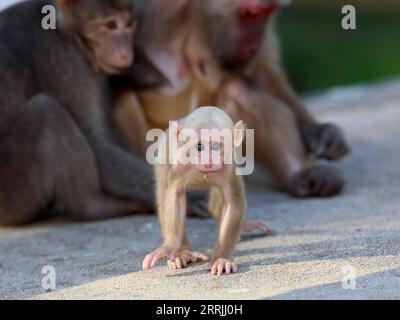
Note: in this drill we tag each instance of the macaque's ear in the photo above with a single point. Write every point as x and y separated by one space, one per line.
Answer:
239 132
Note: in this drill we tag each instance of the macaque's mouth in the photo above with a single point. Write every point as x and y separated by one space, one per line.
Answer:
209 169
111 69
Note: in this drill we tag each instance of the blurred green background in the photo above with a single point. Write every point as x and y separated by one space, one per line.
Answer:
318 53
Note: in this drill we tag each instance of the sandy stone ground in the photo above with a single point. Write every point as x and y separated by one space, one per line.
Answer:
320 247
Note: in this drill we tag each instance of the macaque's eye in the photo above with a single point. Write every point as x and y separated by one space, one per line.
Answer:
130 23
112 25
216 146
200 147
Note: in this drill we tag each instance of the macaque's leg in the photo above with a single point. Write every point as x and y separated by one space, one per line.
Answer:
172 213
230 224
216 206
185 254
45 159
280 149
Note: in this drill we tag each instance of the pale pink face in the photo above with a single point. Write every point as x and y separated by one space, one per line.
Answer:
210 155
208 141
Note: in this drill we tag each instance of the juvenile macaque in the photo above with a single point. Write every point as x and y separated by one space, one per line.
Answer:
203 158
226 53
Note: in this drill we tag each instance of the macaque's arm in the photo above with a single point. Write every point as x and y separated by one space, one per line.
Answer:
231 220
268 74
172 218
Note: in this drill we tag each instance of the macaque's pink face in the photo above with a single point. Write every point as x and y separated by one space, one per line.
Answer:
207 142
210 155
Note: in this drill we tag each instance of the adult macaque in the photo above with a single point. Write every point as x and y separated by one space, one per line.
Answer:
58 146
225 53
203 159
286 133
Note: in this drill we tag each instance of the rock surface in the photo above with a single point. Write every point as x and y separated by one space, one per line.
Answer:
317 246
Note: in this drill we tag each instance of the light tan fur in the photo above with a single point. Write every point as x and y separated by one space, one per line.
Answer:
227 201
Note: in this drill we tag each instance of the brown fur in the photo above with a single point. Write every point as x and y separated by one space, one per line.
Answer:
58 146
288 138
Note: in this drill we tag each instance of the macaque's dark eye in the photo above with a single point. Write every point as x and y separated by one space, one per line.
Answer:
200 147
130 23
216 146
112 25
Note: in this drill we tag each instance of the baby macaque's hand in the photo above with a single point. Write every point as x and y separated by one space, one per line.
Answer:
251 225
185 257
222 266
163 252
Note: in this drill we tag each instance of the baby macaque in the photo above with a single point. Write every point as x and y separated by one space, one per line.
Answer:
200 150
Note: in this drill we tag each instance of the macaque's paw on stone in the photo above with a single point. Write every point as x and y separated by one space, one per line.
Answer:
251 226
318 181
161 253
325 141
185 257
222 266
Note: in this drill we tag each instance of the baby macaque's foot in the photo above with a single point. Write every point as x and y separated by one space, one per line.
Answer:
163 252
222 266
185 257
251 225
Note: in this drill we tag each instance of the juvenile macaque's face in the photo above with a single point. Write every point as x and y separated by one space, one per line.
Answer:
110 39
210 154
209 148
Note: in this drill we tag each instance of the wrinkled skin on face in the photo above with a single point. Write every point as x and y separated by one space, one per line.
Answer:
110 40
105 31
236 28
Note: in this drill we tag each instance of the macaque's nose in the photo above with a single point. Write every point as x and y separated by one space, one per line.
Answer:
208 166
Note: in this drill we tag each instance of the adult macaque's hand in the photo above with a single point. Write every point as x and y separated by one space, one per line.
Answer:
325 141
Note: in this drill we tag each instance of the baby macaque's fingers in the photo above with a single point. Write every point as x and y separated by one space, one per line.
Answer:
185 261
157 258
214 269
200 256
223 266
228 268
146 262
161 253
234 268
178 263
150 260
220 269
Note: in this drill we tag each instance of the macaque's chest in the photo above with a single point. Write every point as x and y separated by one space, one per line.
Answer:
190 85
204 183
192 179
